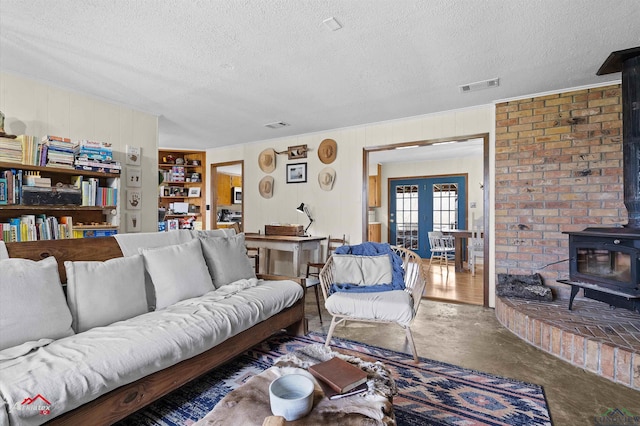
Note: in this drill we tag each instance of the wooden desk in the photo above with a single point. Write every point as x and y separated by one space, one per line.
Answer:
459 236
296 245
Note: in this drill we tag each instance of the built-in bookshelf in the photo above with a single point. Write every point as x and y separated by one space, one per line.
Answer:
50 203
181 190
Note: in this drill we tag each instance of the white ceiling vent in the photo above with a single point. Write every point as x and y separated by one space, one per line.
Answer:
276 125
473 87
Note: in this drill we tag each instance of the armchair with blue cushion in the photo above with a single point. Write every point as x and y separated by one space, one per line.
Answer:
373 282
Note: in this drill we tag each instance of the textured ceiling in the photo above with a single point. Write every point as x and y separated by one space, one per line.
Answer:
216 71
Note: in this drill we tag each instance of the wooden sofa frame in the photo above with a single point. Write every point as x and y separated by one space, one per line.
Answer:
127 399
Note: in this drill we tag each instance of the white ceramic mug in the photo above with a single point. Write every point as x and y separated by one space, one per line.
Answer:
291 396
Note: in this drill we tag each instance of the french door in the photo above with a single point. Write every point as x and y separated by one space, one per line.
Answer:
418 206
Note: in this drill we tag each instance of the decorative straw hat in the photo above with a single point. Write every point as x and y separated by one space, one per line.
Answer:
267 160
266 187
327 151
326 178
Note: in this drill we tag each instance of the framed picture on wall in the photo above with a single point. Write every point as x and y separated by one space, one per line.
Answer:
133 222
134 177
134 199
133 156
296 173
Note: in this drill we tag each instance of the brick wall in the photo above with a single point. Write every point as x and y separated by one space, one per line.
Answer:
558 168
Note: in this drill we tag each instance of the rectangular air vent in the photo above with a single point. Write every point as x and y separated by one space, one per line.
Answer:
276 125
486 84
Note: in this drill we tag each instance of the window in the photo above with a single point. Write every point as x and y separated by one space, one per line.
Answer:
445 206
407 216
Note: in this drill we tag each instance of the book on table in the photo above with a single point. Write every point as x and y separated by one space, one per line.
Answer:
340 375
332 394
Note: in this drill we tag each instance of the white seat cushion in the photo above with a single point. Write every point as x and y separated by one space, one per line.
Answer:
393 306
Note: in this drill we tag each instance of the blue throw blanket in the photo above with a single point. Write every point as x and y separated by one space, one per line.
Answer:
373 249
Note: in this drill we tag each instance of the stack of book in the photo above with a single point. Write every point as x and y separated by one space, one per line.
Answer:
338 378
59 151
10 150
95 156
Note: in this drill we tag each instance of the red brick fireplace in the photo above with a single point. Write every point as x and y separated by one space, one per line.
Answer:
559 168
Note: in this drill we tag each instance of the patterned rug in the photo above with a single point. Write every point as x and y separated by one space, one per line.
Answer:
430 393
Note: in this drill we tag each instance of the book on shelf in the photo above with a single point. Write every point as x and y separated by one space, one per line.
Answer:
4 191
339 374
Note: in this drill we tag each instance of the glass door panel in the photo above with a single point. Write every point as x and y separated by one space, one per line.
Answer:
420 205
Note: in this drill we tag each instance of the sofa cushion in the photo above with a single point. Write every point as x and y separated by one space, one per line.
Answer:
32 305
227 259
362 270
178 272
101 293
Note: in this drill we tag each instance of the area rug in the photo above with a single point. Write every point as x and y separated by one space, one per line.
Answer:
429 393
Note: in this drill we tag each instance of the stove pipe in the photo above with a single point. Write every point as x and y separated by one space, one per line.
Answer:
628 61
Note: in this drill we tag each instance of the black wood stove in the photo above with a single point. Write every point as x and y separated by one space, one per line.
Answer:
605 262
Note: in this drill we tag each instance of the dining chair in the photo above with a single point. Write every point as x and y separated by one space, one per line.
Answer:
475 249
313 268
442 248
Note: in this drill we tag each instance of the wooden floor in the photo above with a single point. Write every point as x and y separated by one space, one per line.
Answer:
444 284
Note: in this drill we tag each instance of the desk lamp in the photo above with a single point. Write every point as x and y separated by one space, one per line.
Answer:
303 209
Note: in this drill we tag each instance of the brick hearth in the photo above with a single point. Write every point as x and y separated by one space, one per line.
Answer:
592 336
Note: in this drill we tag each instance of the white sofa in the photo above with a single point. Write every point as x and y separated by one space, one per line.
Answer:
132 327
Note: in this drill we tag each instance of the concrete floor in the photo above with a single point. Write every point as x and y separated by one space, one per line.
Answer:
471 337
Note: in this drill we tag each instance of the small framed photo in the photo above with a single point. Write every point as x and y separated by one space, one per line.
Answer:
194 191
133 156
134 199
133 222
173 225
134 177
296 173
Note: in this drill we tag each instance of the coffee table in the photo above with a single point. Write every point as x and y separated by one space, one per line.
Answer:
249 403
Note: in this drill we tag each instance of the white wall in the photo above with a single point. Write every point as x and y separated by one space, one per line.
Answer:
339 211
37 109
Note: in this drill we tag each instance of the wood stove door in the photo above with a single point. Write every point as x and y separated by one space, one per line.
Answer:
605 263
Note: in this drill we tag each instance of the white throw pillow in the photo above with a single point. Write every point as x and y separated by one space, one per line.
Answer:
101 293
362 270
32 304
178 272
227 259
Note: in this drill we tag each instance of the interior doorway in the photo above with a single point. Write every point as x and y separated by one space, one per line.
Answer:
227 185
440 150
